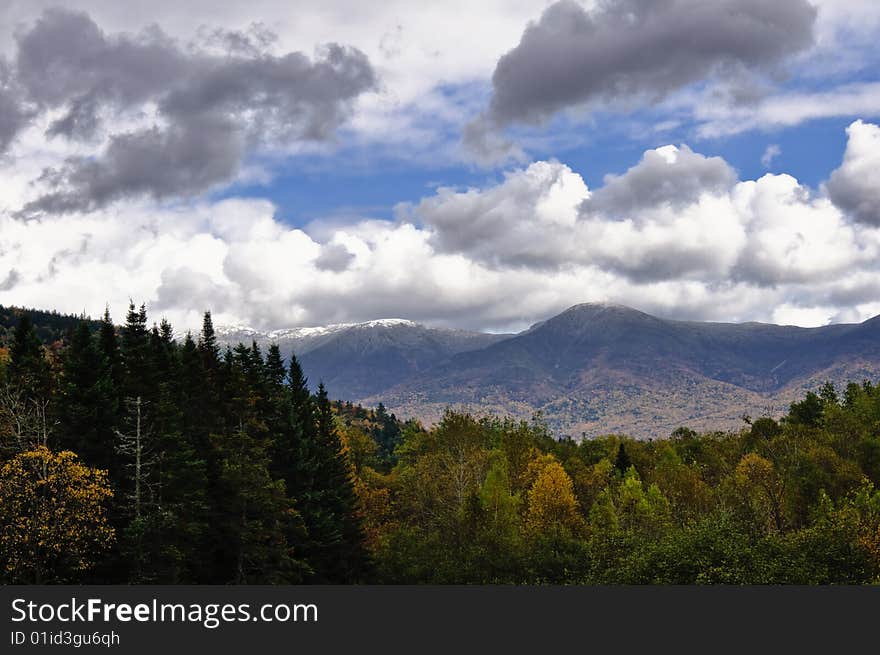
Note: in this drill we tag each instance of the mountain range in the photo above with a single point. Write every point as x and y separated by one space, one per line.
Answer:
593 369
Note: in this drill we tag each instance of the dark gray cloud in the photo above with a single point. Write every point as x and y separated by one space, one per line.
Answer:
212 108
857 196
625 50
13 115
855 186
182 159
667 176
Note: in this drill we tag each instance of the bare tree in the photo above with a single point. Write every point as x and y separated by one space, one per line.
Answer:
136 447
24 421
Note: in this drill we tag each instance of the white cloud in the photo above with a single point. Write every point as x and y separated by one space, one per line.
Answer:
786 109
771 152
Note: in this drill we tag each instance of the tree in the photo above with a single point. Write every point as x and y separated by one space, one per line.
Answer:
109 346
260 530
25 396
761 491
87 407
275 370
622 461
552 504
293 458
28 369
806 412
340 555
53 522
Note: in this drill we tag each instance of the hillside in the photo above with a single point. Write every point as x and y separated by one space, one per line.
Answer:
598 368
358 360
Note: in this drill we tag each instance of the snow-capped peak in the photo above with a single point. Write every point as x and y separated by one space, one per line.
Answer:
300 332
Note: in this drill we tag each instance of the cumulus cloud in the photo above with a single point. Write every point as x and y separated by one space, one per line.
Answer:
522 221
855 186
629 51
197 112
671 175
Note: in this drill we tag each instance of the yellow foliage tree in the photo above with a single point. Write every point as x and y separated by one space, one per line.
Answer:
762 489
551 501
52 516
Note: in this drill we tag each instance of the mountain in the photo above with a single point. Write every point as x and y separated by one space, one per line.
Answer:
359 360
593 369
601 368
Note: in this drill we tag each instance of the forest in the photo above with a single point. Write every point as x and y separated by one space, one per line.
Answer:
128 455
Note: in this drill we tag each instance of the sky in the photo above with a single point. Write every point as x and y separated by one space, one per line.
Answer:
474 165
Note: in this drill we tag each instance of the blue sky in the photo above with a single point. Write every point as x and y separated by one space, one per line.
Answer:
476 166
360 184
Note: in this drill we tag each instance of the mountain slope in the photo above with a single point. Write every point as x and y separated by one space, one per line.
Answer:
599 368
357 360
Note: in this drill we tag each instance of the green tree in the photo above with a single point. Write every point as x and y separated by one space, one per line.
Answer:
87 404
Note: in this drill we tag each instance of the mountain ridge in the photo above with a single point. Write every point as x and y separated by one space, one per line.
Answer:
593 368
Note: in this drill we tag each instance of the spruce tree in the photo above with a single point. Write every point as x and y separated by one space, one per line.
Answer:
275 370
180 518
87 404
109 346
341 557
28 369
622 461
260 525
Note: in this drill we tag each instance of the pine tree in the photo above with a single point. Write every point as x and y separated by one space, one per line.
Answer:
208 345
180 517
622 461
341 557
109 346
260 530
275 370
293 454
87 404
28 369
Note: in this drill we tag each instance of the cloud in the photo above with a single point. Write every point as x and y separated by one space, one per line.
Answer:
334 257
628 51
771 152
519 222
785 109
13 116
196 114
696 244
9 282
855 186
667 175
649 223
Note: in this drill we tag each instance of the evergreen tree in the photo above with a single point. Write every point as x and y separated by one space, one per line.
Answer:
137 361
87 405
180 518
28 369
622 461
260 533
341 557
109 346
275 370
293 454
